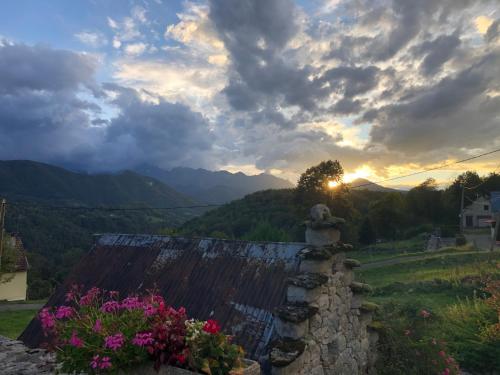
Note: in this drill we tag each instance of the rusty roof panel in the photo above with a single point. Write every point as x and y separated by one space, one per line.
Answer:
238 283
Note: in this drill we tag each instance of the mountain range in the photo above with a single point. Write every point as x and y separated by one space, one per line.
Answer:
214 187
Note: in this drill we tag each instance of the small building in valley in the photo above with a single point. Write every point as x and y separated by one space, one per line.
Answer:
14 271
477 214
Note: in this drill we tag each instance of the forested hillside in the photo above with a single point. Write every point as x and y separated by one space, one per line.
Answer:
278 215
22 179
54 210
214 186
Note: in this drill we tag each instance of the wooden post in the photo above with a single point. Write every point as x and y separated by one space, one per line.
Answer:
2 223
495 232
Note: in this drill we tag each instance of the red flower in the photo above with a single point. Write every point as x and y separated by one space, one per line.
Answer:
211 326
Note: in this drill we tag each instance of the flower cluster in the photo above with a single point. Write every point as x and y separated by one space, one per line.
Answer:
98 332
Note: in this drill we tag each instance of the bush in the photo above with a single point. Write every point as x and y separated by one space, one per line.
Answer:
460 240
98 332
404 347
465 327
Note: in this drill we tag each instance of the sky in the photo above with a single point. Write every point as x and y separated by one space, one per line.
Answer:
276 86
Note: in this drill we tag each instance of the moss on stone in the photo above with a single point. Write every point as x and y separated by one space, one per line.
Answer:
360 288
285 351
308 280
369 307
352 263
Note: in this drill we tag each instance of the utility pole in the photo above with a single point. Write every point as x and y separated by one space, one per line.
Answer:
461 224
3 207
495 231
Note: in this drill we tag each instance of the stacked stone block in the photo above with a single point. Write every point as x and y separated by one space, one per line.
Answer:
323 328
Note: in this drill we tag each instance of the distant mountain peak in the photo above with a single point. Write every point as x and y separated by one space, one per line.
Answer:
214 186
364 184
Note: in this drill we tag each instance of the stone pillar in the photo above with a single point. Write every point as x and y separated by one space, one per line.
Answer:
322 328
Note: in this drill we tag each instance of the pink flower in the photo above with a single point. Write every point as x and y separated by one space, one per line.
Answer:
70 296
114 342
110 306
64 312
425 314
105 363
97 326
442 353
75 340
446 371
149 310
131 303
95 361
143 339
47 319
211 326
91 295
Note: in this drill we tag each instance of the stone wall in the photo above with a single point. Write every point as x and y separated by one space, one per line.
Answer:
17 359
324 327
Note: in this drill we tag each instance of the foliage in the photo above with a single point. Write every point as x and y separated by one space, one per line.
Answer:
99 332
387 215
316 179
404 348
367 235
9 256
470 328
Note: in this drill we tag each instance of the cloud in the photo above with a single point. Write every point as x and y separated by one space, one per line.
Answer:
45 96
135 49
437 52
482 24
453 113
92 39
38 68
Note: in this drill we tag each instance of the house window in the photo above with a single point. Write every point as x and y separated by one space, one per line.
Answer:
486 207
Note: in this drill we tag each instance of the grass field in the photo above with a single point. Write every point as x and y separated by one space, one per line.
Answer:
448 283
12 323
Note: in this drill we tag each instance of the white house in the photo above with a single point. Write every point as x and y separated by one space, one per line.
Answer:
477 214
14 282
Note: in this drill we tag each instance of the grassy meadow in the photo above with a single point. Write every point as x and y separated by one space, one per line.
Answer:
448 288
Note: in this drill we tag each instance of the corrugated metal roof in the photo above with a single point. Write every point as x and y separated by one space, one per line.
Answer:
238 283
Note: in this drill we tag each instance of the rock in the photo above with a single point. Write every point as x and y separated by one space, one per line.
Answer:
285 351
360 288
308 280
352 263
296 312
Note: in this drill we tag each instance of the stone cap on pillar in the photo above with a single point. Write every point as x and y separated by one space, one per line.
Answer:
322 228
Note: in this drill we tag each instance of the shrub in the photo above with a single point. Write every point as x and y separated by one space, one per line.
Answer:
98 332
404 348
468 327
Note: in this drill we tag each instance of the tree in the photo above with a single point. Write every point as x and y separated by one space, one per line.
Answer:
367 235
387 215
424 201
316 179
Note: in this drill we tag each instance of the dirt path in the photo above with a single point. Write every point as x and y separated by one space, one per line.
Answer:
392 261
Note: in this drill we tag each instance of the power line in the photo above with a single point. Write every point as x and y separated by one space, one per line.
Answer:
426 170
86 208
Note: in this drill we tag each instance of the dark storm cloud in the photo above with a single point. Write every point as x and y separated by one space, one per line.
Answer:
43 68
436 52
43 117
493 32
255 32
347 106
352 81
455 112
156 132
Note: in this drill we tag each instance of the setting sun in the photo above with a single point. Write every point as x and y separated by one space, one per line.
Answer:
332 184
